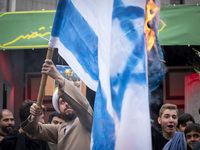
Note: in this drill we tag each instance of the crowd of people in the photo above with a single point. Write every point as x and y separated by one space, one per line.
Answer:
177 133
69 127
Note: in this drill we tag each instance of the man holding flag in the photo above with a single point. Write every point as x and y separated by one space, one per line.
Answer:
75 134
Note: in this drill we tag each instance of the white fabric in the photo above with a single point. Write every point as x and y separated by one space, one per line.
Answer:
55 101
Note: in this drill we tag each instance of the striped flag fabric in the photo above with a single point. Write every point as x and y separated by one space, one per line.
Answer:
103 41
76 38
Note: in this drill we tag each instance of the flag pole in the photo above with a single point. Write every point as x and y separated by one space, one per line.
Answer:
44 79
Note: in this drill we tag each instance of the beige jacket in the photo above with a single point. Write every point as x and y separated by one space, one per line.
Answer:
79 134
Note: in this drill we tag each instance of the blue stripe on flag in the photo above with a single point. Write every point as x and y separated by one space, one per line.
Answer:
122 81
103 125
126 15
77 36
59 18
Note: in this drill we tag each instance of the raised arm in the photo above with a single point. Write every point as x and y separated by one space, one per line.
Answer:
71 94
50 69
37 130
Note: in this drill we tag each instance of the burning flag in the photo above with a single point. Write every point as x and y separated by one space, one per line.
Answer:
103 41
156 63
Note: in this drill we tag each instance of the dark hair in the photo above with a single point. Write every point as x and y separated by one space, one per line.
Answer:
185 118
24 110
1 112
53 114
192 127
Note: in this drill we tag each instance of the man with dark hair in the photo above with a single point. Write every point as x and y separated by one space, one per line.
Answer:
183 121
55 118
7 122
17 138
192 135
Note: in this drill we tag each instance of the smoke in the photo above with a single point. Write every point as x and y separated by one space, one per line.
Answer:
156 72
156 101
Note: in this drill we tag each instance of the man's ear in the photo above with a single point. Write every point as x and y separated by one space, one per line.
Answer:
159 120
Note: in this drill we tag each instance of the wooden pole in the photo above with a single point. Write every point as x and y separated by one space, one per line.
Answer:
44 79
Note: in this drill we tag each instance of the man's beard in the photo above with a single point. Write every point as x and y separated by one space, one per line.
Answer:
69 116
4 128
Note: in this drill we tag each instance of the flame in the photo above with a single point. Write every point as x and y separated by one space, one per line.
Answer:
151 10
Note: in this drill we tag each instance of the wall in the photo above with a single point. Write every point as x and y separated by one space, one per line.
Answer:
192 2
36 5
24 5
179 2
1 86
12 74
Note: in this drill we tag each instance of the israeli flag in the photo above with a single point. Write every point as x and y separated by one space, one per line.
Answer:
103 42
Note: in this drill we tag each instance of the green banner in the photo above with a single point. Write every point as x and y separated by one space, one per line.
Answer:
25 30
179 25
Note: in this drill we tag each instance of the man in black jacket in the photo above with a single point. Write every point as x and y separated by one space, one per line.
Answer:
17 138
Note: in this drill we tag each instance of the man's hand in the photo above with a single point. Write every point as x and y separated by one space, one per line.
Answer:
35 111
49 68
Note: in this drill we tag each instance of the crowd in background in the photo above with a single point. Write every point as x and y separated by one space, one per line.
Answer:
69 127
